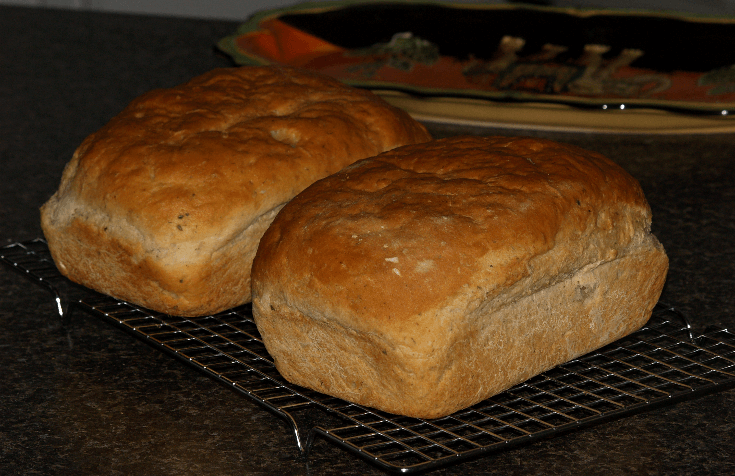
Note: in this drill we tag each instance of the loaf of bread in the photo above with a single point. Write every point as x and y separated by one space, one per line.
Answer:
434 276
165 205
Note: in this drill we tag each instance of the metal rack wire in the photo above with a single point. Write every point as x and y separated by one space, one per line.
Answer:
660 364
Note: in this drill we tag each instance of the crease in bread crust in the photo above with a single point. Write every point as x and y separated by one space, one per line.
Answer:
183 182
557 264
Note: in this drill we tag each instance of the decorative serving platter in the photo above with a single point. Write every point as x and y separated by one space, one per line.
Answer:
512 65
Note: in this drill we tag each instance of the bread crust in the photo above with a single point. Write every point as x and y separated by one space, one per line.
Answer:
433 276
164 206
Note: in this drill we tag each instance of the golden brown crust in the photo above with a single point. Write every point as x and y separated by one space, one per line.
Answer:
388 282
176 190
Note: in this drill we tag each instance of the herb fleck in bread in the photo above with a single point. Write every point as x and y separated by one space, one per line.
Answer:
433 276
165 205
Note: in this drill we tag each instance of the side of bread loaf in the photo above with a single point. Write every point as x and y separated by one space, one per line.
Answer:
165 205
433 276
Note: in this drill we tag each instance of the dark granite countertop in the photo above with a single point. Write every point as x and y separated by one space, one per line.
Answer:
89 399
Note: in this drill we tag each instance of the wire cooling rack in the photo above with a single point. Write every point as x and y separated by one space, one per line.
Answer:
660 364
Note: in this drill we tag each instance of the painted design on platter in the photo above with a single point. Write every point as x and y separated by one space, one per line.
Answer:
589 75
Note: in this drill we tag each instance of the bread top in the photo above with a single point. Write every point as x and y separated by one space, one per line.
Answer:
442 228
207 158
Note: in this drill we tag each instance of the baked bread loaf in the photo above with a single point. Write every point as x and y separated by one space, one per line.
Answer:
433 276
165 205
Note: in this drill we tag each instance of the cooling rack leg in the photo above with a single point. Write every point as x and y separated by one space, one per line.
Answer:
63 306
306 423
302 427
672 309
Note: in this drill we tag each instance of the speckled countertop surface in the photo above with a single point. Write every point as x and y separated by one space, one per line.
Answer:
90 399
